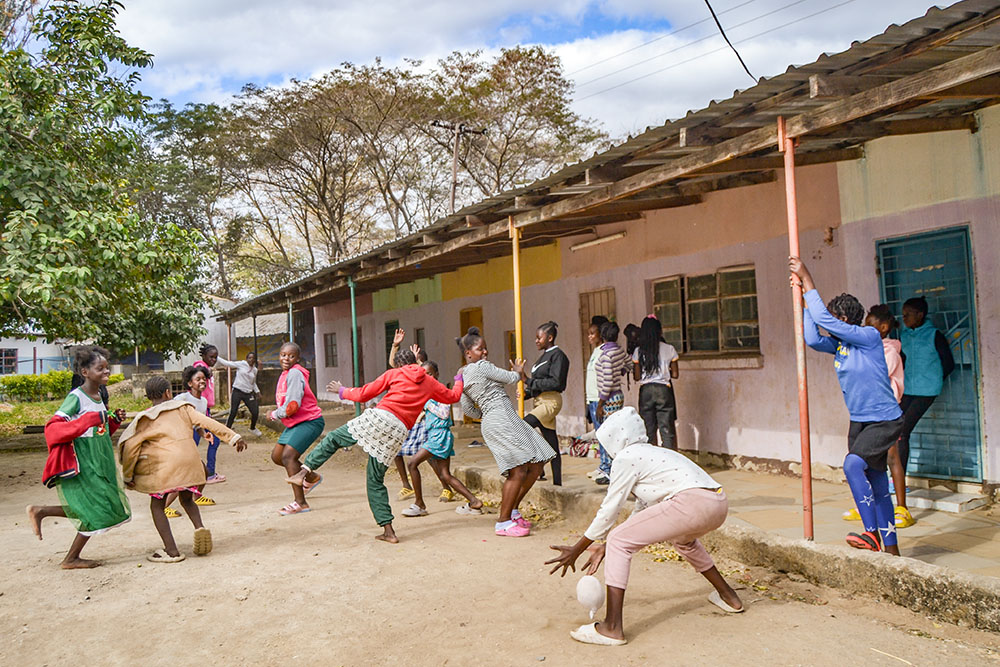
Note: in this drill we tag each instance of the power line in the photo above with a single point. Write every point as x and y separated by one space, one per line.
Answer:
708 53
656 39
723 33
691 43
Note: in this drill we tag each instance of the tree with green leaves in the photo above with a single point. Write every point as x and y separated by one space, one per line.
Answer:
76 259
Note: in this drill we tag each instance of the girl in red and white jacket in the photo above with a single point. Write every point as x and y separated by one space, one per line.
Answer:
303 421
380 430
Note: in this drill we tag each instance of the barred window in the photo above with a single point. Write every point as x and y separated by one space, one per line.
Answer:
8 361
712 312
330 346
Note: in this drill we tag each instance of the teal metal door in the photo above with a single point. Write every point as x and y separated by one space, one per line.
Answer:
946 443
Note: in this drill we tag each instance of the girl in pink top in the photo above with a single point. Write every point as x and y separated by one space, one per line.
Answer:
880 317
209 354
303 421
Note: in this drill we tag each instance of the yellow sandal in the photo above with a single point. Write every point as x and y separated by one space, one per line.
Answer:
204 501
447 495
171 513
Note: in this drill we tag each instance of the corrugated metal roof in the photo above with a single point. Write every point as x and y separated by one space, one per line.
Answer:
783 94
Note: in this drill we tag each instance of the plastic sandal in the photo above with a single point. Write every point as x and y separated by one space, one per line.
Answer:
414 510
446 496
202 541
161 556
717 600
513 530
216 479
405 493
866 540
903 517
851 515
307 486
588 634
467 509
293 508
204 501
171 513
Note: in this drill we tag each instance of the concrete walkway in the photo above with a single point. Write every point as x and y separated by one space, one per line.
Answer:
968 542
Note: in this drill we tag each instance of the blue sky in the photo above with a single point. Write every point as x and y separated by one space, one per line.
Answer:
206 51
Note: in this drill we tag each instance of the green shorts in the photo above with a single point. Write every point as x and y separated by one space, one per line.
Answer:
301 436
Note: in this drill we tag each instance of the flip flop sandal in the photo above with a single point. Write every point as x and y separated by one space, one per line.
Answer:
202 541
414 510
307 486
866 540
204 501
216 479
717 600
161 556
588 634
468 509
293 508
171 513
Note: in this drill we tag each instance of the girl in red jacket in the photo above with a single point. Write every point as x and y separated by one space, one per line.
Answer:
380 430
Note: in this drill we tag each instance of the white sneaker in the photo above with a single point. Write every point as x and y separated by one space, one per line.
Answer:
594 474
255 432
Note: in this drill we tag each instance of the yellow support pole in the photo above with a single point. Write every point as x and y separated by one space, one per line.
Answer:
515 235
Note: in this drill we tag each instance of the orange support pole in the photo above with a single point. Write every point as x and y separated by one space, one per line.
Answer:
515 236
787 146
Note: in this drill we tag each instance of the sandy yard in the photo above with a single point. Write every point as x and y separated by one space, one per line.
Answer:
317 589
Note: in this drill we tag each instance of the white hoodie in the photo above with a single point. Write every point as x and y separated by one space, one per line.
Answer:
652 473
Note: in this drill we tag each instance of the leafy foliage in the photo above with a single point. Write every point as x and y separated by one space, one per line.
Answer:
36 387
78 260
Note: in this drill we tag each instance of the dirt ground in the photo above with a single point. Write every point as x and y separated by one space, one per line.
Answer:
318 589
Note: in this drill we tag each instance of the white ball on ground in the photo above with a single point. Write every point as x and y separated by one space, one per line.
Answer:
590 593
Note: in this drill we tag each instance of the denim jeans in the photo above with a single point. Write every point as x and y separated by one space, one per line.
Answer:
605 464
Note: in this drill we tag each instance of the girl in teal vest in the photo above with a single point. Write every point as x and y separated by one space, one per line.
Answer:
927 361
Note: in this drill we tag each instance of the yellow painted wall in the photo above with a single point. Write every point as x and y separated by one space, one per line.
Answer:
900 173
542 264
408 295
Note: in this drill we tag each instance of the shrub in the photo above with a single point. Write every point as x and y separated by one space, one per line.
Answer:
115 379
36 387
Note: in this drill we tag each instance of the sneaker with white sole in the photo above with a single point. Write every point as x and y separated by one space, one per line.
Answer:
256 432
513 530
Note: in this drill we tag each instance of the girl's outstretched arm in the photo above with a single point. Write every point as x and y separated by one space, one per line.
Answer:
442 394
368 391
493 372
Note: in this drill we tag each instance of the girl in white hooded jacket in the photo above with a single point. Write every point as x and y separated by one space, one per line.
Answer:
676 502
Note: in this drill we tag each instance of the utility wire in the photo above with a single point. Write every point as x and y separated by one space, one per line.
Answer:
708 53
723 33
691 43
656 39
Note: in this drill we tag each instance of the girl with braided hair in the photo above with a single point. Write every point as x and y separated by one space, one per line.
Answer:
876 419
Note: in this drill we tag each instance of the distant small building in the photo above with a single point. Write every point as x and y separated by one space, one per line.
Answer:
30 354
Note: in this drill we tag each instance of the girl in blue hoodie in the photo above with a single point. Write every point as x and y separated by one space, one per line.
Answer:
876 419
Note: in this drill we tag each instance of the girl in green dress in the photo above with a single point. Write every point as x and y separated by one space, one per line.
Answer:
81 463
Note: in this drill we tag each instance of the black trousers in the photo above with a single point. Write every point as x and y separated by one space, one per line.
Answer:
914 408
249 400
659 412
550 437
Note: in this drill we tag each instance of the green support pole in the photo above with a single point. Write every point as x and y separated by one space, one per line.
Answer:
354 341
291 334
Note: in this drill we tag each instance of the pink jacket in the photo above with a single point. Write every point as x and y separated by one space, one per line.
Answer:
894 361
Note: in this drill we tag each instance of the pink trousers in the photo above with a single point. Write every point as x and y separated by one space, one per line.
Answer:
681 520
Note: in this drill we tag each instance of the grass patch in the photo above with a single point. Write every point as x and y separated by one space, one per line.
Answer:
13 421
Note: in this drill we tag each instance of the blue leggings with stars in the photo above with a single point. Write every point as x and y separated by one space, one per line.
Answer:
871 494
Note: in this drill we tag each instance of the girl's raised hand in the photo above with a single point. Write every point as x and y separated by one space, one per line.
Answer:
415 349
799 274
398 337
517 365
334 387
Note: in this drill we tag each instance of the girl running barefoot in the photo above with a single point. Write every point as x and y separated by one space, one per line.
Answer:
159 457
81 462
303 420
876 420
380 430
438 447
519 451
676 502
209 355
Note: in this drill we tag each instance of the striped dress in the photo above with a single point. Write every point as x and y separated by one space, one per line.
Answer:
509 437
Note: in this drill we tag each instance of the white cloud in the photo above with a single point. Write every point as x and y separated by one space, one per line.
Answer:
205 51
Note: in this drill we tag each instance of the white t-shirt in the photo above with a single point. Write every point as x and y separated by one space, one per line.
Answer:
200 404
662 376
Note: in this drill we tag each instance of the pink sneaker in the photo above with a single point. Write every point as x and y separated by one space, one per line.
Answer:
515 530
523 523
